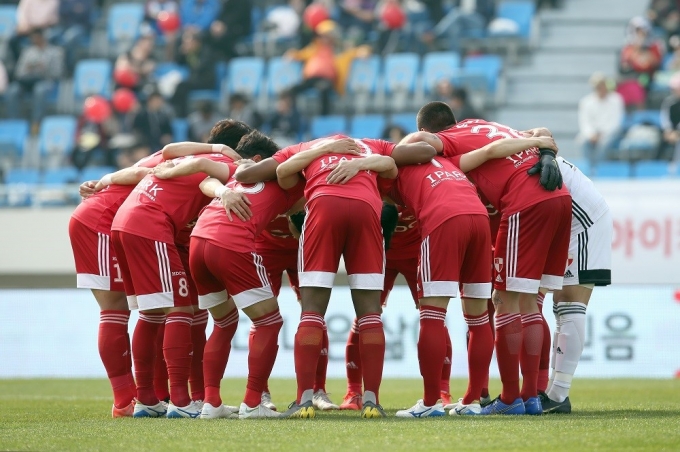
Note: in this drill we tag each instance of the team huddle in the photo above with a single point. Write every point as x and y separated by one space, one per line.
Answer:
473 207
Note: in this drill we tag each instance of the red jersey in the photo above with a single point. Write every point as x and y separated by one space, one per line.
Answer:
97 211
158 209
406 240
277 236
504 182
363 186
437 191
267 200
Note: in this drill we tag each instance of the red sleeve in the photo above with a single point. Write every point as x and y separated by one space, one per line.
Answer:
286 153
385 185
380 147
450 143
456 160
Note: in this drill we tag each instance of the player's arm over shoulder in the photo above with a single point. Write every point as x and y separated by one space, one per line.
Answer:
185 148
169 170
126 176
501 149
427 137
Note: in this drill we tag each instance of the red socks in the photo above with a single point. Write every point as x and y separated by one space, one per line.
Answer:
143 355
544 365
530 356
114 350
508 345
160 372
372 349
480 350
262 355
216 355
445 384
431 350
198 344
353 360
177 353
322 364
307 348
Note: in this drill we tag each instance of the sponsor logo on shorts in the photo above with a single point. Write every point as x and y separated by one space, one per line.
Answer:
499 279
178 273
568 274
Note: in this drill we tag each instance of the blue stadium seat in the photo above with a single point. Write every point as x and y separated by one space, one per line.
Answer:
489 65
406 121
245 75
57 135
68 175
22 176
439 66
323 126
282 74
21 185
8 21
652 169
521 12
124 20
367 126
652 117
401 72
363 75
165 68
95 172
13 134
613 170
180 130
92 77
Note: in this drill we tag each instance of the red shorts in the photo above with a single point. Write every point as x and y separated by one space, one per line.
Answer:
220 273
408 268
153 274
278 261
183 251
345 227
456 254
96 263
532 247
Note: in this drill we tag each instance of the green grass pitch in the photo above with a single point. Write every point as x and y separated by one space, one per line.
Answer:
75 415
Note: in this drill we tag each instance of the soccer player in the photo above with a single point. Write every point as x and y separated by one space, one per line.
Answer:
144 232
534 225
229 273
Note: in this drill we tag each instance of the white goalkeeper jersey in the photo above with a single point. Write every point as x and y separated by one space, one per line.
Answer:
587 204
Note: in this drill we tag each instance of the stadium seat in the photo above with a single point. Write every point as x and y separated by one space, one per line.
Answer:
401 72
439 66
92 77
323 126
180 130
363 75
282 74
95 172
520 12
245 75
8 21
652 117
68 175
652 169
124 20
613 170
57 135
22 176
165 68
367 126
406 121
489 65
13 134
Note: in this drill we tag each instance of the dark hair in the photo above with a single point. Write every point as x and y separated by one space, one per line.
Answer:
435 117
256 143
228 132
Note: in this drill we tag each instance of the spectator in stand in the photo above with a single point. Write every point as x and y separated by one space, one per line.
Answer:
284 123
467 18
75 23
32 15
139 59
202 121
201 63
457 99
670 118
393 133
241 110
232 24
357 16
92 144
39 68
642 55
131 155
665 14
198 14
324 70
152 124
151 11
600 116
